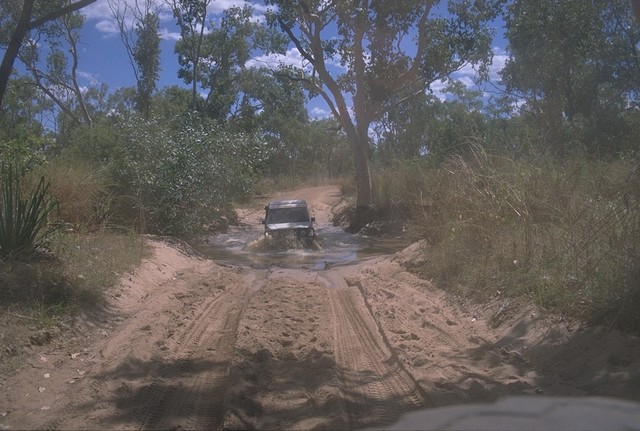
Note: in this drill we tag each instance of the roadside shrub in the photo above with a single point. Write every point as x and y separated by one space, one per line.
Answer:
24 218
397 189
82 191
565 233
182 181
92 263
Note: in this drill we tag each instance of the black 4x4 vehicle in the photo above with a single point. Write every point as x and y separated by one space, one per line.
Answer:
288 218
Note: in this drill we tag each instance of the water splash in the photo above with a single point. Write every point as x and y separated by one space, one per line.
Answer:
331 246
269 244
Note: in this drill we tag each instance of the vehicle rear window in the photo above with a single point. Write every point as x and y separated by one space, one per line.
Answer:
287 215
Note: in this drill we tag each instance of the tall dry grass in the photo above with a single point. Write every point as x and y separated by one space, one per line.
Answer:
79 265
81 190
566 234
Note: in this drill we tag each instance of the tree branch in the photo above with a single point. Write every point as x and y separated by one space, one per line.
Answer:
59 12
296 41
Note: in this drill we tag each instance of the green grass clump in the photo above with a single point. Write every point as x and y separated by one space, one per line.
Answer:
96 261
79 271
24 214
564 233
82 191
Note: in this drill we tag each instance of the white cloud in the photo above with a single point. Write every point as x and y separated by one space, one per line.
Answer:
272 61
468 74
466 80
500 58
165 15
101 12
318 113
437 88
166 34
219 6
107 27
291 58
91 78
98 10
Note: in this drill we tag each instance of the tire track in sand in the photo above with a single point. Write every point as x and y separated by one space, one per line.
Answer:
376 389
191 387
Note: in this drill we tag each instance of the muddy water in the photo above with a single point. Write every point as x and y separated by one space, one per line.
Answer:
332 247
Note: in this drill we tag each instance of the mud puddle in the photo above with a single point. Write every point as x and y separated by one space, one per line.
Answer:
332 247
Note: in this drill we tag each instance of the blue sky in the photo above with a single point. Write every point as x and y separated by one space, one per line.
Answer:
103 58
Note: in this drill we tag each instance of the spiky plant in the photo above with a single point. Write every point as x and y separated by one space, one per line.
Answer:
24 224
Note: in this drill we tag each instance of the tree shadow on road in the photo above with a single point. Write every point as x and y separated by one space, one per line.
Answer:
259 390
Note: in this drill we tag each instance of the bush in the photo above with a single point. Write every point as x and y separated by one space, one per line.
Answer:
23 221
82 192
183 181
567 234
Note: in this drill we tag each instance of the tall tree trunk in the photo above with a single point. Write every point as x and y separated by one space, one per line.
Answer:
22 27
359 143
361 152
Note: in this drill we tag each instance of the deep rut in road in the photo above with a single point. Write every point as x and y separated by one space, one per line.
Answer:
375 387
311 355
193 390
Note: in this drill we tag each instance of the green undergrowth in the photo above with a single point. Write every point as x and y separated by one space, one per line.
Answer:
566 234
283 183
76 273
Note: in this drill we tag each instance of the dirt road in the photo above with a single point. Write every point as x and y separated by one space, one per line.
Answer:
187 343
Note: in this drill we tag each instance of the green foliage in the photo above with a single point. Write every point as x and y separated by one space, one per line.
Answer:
93 144
82 190
23 220
270 102
213 60
566 234
574 64
24 152
172 104
308 150
182 180
22 105
424 124
146 54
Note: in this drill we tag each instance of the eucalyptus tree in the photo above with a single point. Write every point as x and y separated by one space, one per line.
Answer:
382 49
172 104
226 49
574 75
404 130
23 113
228 44
268 102
428 125
138 23
191 17
51 57
18 18
265 103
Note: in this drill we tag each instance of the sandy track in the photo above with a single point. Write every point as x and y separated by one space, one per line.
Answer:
191 387
186 343
374 386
